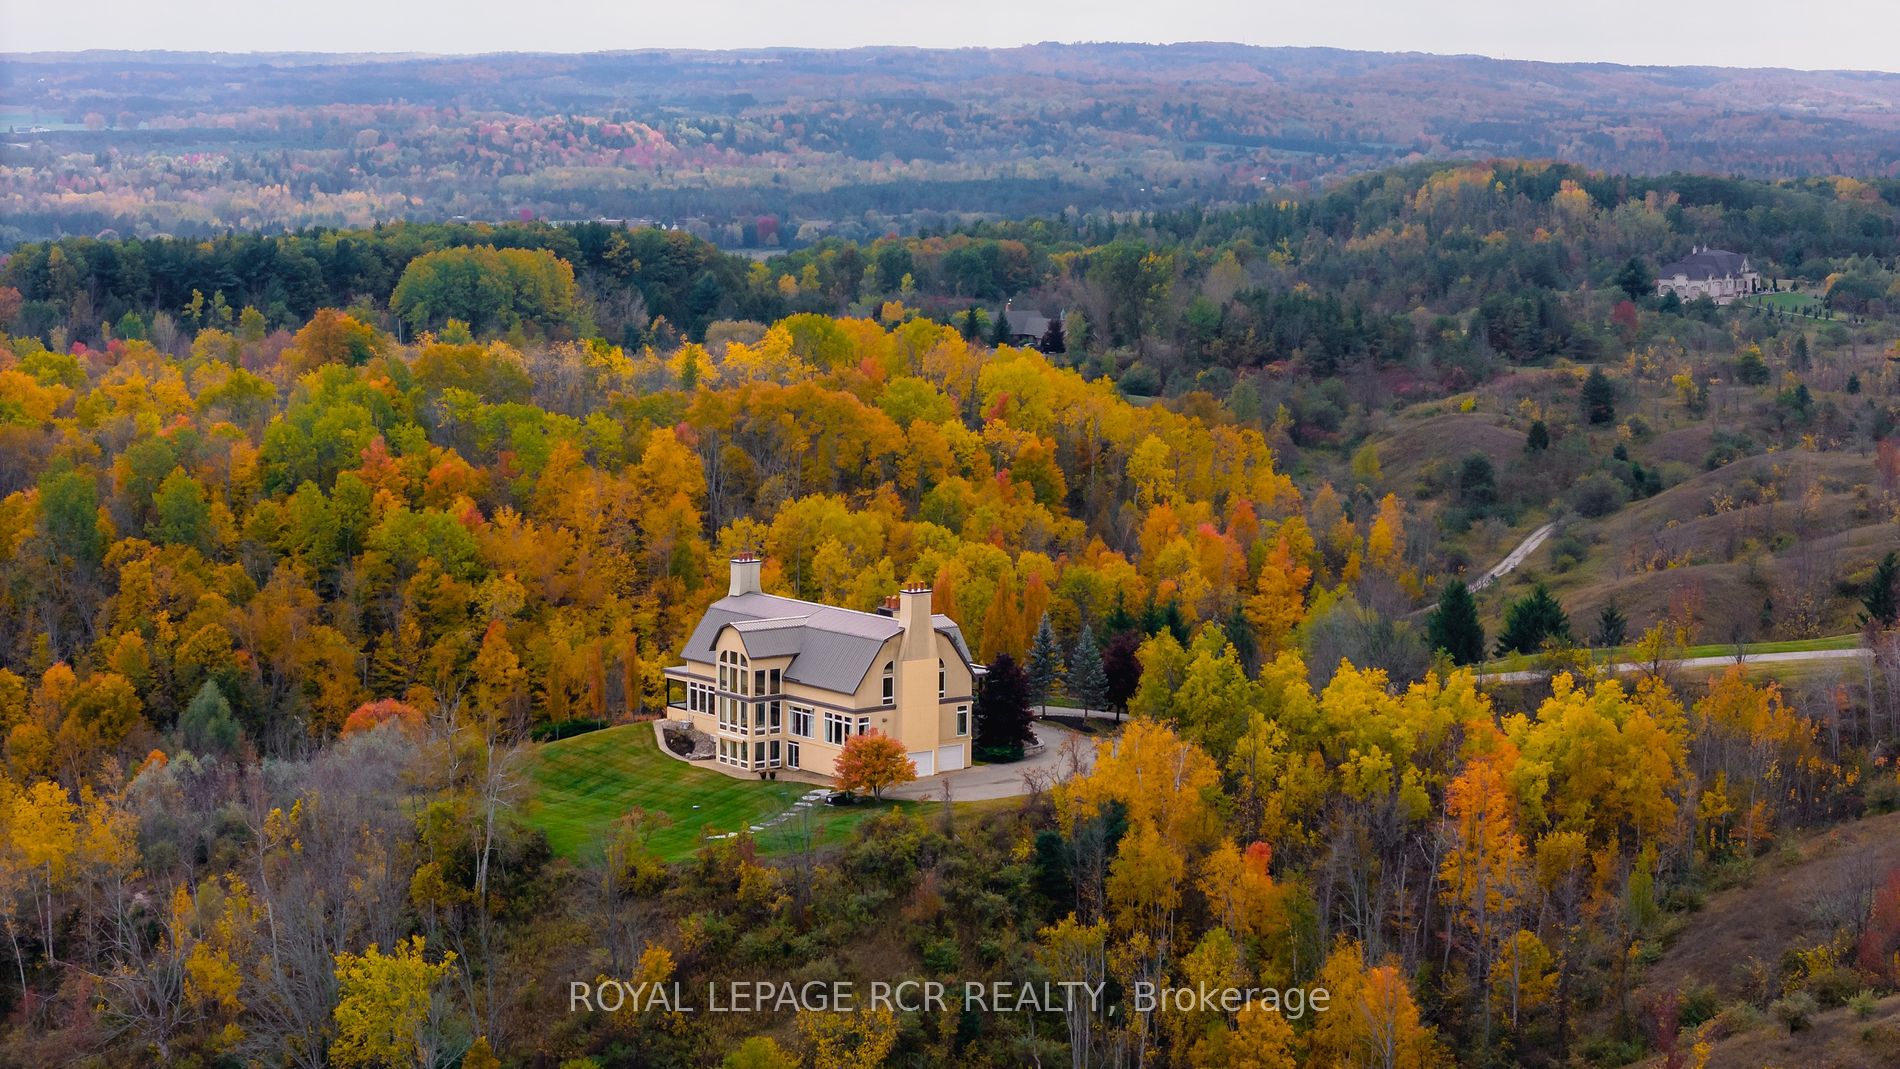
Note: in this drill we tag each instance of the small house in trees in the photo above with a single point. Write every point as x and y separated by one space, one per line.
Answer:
1024 326
1717 274
782 683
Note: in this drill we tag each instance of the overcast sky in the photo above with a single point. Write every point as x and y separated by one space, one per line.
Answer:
1850 34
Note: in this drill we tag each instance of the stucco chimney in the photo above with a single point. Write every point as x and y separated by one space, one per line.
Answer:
913 611
745 575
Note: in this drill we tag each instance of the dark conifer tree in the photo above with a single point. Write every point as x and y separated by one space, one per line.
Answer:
1455 627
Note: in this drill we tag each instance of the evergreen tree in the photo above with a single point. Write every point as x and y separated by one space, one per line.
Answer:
1002 712
1045 663
1612 627
972 329
1119 619
1530 620
1176 623
1053 343
1633 279
1454 625
208 726
1599 398
1538 439
1881 596
999 330
1087 681
1240 635
1477 482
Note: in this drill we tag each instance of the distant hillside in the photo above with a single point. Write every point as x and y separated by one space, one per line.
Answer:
779 146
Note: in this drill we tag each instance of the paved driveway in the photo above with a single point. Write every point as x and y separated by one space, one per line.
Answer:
1064 753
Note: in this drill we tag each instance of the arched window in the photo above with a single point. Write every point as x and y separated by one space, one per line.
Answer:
942 676
890 683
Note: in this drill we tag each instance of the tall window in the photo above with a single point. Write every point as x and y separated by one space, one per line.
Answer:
890 683
941 677
801 721
837 728
963 720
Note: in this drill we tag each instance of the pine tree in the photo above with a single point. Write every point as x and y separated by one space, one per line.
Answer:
1538 439
1634 279
1045 663
1881 596
1087 682
1053 343
1454 625
1612 627
1000 332
1176 623
1119 619
1599 398
1530 620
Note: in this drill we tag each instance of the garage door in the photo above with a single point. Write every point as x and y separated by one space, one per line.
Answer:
926 762
950 758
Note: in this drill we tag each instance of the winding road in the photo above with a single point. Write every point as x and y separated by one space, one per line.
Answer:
1515 557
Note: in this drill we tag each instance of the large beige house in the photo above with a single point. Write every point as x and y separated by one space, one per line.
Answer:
782 683
1717 274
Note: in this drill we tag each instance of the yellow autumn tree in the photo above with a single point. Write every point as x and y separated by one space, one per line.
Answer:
860 1039
1483 867
1278 604
1371 1021
383 1006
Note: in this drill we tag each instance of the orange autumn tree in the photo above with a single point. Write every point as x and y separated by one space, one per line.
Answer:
373 714
1483 868
873 762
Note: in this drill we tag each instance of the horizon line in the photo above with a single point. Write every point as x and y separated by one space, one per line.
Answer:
395 55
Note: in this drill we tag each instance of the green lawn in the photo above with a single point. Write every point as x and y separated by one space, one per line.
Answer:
1791 302
584 784
1519 662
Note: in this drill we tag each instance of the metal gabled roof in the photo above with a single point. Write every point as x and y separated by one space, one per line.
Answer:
831 648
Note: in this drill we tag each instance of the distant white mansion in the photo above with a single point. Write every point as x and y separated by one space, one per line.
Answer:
782 683
1717 274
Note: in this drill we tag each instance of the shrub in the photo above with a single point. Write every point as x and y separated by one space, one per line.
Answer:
1864 1004
566 729
1796 1011
1597 494
1736 1018
1698 1003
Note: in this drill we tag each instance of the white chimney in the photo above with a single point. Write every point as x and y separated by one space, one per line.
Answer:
745 575
913 611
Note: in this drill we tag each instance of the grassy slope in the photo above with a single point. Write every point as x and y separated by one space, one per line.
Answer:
1792 901
584 784
1682 523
